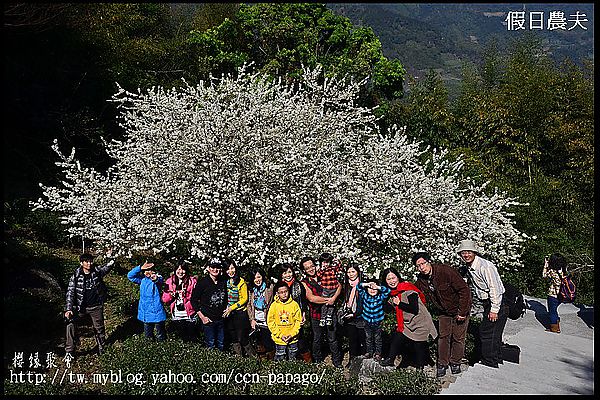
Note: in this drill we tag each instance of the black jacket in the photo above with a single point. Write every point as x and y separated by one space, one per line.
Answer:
76 286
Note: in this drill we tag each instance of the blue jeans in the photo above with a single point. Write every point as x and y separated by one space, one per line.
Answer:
281 350
161 332
373 333
214 332
553 304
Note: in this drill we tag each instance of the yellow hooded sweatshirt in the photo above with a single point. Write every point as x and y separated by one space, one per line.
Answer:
284 319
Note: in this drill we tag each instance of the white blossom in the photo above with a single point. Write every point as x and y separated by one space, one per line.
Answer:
266 172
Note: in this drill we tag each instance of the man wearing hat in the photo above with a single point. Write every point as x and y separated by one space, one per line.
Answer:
483 274
209 300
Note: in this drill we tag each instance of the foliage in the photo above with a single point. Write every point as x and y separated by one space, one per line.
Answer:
137 355
282 38
249 183
526 124
404 382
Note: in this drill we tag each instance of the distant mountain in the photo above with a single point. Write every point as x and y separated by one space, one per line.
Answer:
442 36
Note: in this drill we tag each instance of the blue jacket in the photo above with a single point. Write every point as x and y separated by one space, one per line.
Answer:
150 307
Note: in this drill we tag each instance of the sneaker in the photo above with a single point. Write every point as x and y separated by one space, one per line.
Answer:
377 357
387 362
367 355
455 368
441 371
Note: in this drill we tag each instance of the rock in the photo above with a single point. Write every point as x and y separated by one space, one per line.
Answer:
364 369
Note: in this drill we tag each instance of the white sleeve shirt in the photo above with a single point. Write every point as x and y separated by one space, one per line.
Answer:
487 282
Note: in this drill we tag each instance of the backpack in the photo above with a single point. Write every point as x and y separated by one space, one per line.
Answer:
566 293
514 299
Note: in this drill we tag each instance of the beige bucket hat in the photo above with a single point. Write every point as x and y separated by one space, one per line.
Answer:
468 245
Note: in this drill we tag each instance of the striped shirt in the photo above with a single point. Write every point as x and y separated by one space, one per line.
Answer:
372 306
488 284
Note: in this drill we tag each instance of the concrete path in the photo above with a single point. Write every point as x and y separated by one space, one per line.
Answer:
550 363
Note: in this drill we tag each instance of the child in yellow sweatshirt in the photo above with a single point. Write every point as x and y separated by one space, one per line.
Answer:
284 320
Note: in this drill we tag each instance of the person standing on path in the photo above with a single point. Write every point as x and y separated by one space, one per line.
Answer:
555 268
489 289
447 291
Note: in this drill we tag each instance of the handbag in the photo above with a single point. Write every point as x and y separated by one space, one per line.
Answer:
510 352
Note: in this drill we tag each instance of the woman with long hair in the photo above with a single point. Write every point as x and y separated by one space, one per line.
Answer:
177 294
350 313
414 324
555 268
261 297
237 324
285 273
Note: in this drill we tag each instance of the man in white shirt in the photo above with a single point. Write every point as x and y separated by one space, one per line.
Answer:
484 276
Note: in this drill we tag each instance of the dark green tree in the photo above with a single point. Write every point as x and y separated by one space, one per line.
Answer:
280 38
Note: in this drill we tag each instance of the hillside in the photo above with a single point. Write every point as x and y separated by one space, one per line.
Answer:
443 36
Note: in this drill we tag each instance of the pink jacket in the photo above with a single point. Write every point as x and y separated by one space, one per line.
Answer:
168 296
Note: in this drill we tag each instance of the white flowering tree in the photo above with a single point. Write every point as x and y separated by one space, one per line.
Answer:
265 172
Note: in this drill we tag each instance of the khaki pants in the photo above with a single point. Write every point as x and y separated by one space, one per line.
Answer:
451 342
97 315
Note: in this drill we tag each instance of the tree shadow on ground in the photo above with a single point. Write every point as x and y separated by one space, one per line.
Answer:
541 313
126 329
584 370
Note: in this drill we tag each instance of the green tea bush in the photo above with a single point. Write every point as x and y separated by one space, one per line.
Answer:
154 362
403 382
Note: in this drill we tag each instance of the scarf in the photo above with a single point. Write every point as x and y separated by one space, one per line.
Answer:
233 293
403 287
259 296
351 303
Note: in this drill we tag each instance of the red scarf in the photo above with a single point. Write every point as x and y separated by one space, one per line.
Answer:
403 287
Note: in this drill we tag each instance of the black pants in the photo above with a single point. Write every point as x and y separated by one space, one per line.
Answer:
237 327
186 329
490 335
334 346
356 338
417 350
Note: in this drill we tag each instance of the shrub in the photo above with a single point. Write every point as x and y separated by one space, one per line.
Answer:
403 382
137 356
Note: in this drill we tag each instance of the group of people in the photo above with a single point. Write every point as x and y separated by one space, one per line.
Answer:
324 294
